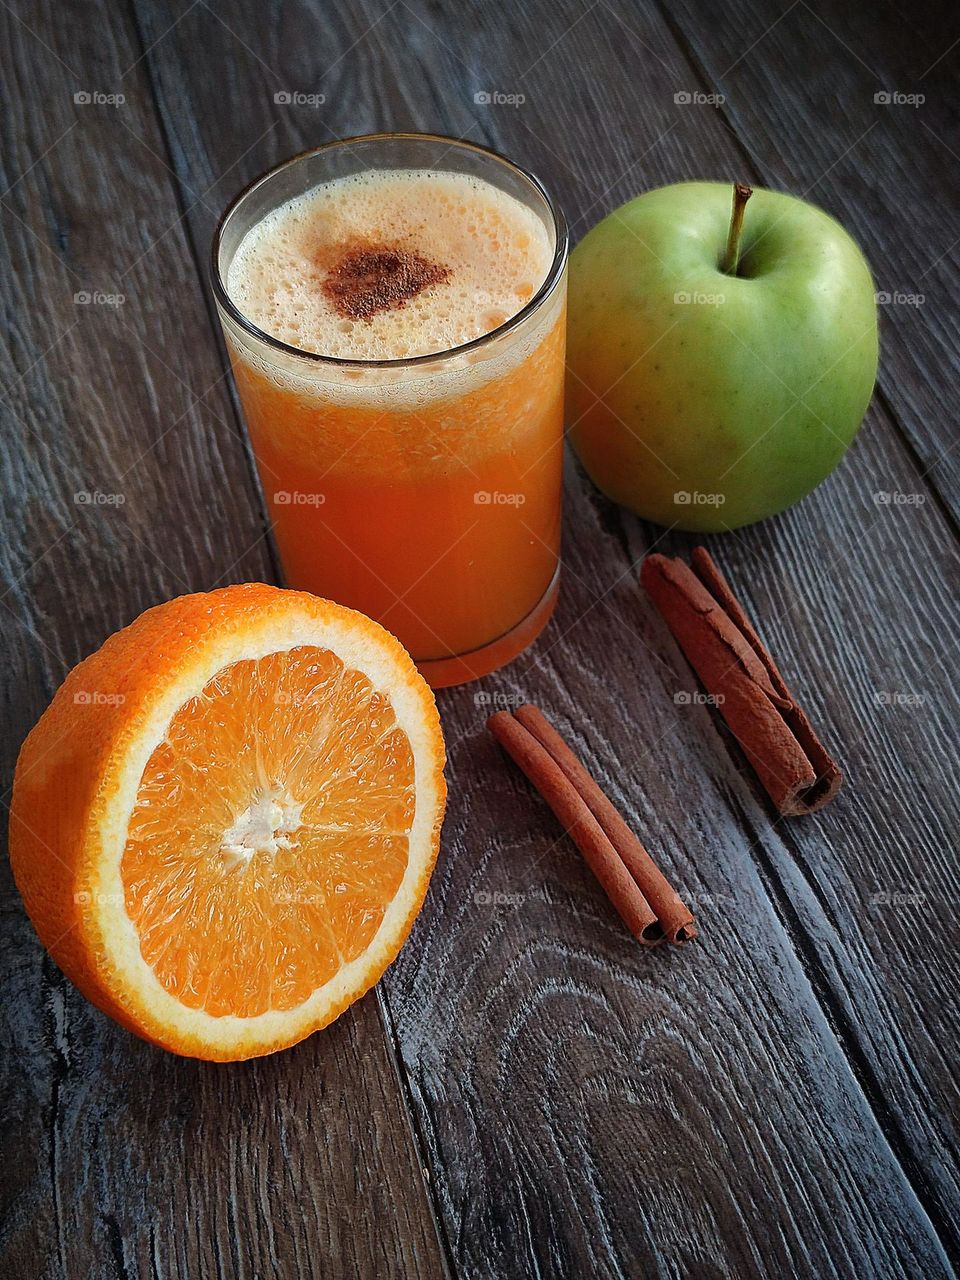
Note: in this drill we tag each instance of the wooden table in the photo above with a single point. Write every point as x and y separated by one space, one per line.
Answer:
527 1093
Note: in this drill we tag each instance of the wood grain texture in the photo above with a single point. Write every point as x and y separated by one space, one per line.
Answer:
800 83
121 1160
778 1099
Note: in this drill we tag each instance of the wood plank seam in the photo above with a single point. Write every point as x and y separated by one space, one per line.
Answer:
942 1222
808 955
198 258
199 264
417 1135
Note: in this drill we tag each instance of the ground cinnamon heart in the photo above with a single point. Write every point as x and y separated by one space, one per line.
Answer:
377 278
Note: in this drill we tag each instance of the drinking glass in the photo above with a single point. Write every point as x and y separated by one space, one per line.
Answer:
423 491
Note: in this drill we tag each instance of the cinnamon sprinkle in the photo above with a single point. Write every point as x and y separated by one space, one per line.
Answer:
377 278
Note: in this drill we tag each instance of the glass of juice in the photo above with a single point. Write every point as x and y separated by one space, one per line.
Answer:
394 310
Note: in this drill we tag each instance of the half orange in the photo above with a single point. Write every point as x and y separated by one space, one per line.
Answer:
224 824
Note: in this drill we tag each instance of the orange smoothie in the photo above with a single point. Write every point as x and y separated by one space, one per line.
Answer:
424 493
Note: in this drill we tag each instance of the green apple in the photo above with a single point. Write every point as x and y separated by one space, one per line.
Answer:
719 362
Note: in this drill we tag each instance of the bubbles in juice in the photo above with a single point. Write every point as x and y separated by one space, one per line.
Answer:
388 264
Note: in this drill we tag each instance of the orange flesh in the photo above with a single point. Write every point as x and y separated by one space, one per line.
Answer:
270 833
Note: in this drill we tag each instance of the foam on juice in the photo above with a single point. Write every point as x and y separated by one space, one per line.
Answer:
387 264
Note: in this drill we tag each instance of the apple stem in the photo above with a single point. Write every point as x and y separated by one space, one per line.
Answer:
731 258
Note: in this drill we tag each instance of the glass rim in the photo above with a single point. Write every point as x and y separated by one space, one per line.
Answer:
554 272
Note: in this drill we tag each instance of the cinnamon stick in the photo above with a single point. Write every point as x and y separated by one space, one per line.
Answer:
675 920
735 667
573 798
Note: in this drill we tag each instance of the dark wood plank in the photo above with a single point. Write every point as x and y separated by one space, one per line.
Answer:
590 1109
800 83
122 1160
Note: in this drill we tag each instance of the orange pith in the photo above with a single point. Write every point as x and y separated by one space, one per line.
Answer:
224 824
275 813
